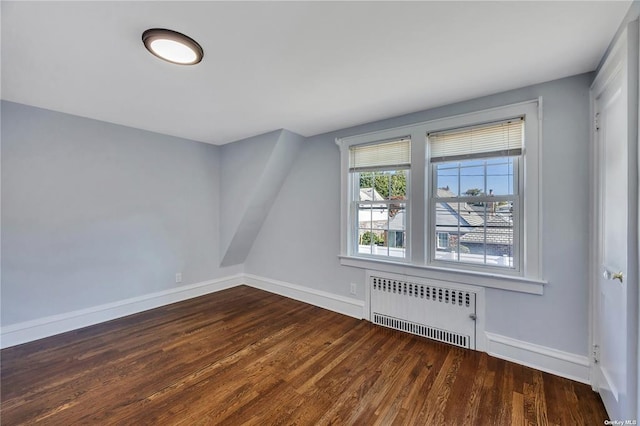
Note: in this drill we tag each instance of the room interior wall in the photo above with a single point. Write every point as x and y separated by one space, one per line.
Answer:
300 239
252 173
248 156
94 213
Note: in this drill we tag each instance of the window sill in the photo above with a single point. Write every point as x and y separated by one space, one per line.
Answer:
483 279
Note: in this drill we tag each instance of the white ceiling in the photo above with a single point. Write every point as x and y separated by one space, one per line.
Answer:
310 67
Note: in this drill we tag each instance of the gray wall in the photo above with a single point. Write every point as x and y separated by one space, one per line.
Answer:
253 171
300 239
248 155
94 213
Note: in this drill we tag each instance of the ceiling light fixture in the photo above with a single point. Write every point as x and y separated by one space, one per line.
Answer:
172 46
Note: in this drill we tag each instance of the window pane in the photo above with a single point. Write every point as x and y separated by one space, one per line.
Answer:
397 216
492 243
504 210
447 223
381 212
493 176
375 242
368 237
500 176
367 241
398 185
382 228
382 247
480 234
396 240
365 216
447 179
383 185
367 189
472 178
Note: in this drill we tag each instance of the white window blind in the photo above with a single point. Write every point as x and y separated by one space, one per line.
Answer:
394 154
500 139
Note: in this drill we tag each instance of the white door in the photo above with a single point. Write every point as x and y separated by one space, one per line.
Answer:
612 338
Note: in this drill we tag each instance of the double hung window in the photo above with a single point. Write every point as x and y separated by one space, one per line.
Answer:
474 198
379 173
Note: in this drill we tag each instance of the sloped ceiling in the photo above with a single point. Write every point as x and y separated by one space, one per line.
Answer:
252 198
310 67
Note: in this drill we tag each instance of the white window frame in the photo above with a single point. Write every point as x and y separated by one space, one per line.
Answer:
352 211
517 230
528 277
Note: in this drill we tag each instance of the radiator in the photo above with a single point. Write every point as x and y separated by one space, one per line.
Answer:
434 310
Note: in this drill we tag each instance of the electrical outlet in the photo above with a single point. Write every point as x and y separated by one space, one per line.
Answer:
354 286
178 277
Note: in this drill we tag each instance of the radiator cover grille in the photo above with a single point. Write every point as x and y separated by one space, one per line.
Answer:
422 330
434 310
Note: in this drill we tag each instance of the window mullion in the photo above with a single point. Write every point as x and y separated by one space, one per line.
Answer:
417 218
484 233
459 218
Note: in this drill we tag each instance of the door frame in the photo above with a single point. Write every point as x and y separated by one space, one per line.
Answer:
628 43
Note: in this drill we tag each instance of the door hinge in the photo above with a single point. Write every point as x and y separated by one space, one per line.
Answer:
596 354
596 121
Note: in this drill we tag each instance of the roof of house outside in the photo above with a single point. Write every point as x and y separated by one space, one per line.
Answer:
502 236
370 194
472 221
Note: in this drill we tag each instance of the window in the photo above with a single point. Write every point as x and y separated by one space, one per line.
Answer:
447 197
475 195
378 174
442 241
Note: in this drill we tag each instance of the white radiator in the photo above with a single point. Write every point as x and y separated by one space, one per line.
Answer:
435 310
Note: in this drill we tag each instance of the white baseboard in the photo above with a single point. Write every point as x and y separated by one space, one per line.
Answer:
340 304
563 364
28 331
16 334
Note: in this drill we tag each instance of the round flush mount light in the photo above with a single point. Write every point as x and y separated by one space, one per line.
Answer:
172 46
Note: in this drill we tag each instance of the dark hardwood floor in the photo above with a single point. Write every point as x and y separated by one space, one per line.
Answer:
244 356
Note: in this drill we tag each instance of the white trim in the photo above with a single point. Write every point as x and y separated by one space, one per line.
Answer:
623 58
594 208
571 366
333 302
28 331
483 279
345 205
554 361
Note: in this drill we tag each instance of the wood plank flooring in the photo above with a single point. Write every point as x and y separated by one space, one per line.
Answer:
244 356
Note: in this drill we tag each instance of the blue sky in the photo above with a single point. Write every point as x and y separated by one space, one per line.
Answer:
461 176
